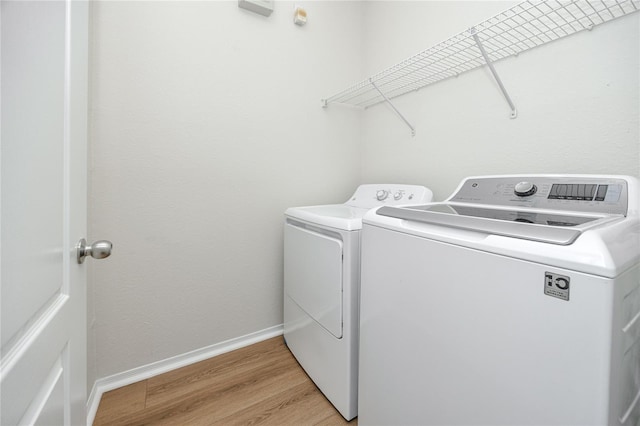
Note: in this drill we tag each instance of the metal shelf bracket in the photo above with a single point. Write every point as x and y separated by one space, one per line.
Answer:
413 130
522 27
474 33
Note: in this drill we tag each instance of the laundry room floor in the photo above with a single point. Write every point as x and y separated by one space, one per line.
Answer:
261 384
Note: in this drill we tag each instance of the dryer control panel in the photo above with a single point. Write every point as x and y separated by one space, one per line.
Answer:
375 195
580 193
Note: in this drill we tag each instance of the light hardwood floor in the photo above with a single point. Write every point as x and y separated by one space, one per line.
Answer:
258 385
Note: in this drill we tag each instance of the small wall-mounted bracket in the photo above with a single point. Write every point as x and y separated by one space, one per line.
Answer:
514 111
413 130
262 7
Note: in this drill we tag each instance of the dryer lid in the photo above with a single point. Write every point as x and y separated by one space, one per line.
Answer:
339 216
348 216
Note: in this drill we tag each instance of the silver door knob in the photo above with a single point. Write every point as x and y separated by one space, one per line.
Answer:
98 250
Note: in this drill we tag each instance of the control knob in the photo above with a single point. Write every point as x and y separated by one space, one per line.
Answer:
398 195
524 189
382 194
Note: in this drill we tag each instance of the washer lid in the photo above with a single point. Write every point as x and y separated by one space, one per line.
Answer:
340 216
547 227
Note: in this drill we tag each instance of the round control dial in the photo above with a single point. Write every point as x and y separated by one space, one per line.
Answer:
398 195
524 189
382 194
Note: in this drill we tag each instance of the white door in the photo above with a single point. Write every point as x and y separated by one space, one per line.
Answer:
43 152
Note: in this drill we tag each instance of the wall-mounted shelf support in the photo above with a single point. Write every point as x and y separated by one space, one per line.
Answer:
514 111
522 27
413 130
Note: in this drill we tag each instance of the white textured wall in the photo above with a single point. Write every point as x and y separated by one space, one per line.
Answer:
577 102
206 123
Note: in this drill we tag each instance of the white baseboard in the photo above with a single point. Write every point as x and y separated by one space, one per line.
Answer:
144 372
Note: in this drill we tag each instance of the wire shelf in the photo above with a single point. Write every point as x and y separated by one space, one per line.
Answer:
527 25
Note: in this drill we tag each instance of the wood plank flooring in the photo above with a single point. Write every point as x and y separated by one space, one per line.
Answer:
261 384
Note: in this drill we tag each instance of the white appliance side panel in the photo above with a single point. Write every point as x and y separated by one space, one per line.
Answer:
313 275
456 336
625 362
331 363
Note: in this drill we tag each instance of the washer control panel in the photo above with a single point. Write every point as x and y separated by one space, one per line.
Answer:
374 195
583 193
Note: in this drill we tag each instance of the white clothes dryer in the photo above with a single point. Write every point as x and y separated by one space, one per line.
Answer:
321 287
514 302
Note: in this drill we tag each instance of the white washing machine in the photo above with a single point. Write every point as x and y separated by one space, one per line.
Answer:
321 287
514 302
